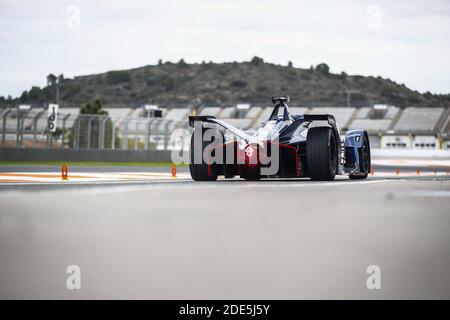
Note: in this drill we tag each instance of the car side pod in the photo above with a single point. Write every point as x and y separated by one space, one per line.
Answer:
356 152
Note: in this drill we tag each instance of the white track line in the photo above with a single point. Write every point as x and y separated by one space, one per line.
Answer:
46 178
412 162
429 194
23 178
169 185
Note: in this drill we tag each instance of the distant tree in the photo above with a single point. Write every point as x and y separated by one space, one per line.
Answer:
292 73
261 88
290 65
160 62
343 75
257 61
323 68
182 63
51 80
94 107
24 97
54 82
238 84
36 95
168 83
58 133
116 77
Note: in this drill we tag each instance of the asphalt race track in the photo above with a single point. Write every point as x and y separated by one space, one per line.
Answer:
273 239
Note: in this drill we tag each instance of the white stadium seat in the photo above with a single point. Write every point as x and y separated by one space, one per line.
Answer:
253 112
419 119
177 114
371 125
210 111
118 113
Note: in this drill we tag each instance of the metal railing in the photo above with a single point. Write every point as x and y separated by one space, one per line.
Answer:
22 129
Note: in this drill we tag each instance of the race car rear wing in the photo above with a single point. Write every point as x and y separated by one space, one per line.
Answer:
211 119
323 117
192 119
241 134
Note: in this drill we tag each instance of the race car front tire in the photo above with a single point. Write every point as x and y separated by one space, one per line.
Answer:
321 153
365 165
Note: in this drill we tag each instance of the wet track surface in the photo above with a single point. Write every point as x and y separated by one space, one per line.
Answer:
229 239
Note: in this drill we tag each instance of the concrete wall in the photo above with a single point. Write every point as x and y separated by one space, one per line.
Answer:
29 154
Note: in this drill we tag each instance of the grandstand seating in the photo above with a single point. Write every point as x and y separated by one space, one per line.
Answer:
264 115
29 121
228 112
391 112
137 113
72 116
298 110
210 111
342 115
118 113
363 113
389 119
239 123
371 125
419 120
253 112
177 114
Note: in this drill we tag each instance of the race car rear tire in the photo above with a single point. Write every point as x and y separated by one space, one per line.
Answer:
365 165
321 154
200 171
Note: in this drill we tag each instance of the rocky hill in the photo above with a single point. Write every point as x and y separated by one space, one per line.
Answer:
181 84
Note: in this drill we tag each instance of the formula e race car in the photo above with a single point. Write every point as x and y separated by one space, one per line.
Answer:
284 146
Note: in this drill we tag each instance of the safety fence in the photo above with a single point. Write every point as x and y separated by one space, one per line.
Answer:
25 129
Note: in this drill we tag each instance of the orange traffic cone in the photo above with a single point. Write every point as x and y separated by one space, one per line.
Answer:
64 173
174 171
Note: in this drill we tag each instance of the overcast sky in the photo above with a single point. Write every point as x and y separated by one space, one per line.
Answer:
406 41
